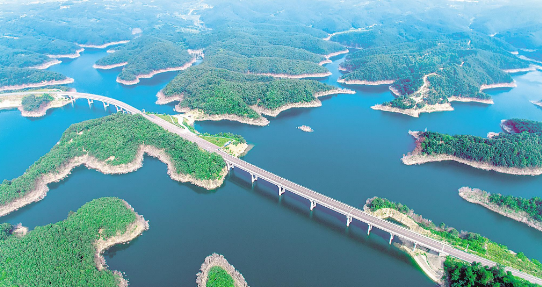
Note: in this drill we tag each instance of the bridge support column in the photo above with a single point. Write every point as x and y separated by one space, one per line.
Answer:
313 204
105 105
253 177
414 248
118 108
369 229
281 190
90 102
229 166
348 220
391 237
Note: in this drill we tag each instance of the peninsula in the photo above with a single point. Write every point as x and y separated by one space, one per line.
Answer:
112 145
92 229
240 97
518 152
528 211
32 105
12 79
471 242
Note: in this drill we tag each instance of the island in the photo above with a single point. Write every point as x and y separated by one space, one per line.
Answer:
209 93
145 57
32 105
113 144
12 79
515 151
470 242
425 75
528 211
91 230
216 271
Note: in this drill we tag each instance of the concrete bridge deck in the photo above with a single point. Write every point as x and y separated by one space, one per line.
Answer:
314 198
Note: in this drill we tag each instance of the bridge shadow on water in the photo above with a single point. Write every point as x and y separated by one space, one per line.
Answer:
299 206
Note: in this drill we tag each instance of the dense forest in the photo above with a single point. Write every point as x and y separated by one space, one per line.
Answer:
462 274
456 65
257 65
33 103
40 45
145 55
118 136
62 254
520 125
521 150
473 242
218 277
20 58
219 91
16 76
531 206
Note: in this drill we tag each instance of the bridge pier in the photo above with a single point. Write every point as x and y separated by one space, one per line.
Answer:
253 177
229 166
105 105
348 220
90 102
281 190
313 204
391 237
414 248
369 230
118 108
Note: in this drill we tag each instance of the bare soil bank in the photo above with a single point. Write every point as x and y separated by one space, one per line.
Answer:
153 73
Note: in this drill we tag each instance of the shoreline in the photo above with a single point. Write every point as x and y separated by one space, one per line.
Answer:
498 85
219 261
480 197
470 100
287 76
415 112
109 67
41 185
261 121
522 70
133 230
77 54
46 65
163 100
364 82
15 102
331 55
153 73
537 103
37 85
103 46
415 158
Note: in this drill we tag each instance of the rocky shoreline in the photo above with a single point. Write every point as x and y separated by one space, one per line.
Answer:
198 115
163 100
537 103
37 85
46 65
77 54
523 70
498 85
109 67
41 188
415 158
480 197
364 82
153 73
132 231
470 100
103 46
415 112
219 261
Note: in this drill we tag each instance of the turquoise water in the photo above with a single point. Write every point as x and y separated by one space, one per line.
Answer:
353 154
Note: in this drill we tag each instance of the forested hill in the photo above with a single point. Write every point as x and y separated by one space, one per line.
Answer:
455 65
145 55
17 76
219 91
521 149
39 254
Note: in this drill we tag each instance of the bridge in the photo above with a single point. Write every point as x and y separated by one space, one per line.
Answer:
314 198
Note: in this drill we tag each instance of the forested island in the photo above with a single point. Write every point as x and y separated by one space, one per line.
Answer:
216 271
471 242
526 210
428 73
144 57
113 144
215 94
90 230
516 151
